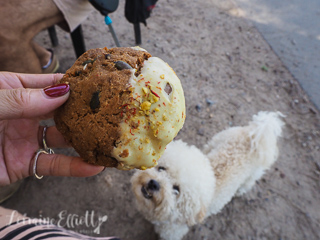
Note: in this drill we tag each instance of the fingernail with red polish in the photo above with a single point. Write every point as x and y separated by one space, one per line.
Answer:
57 90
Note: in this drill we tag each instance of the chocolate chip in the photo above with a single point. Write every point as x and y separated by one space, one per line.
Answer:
78 72
95 101
168 88
120 65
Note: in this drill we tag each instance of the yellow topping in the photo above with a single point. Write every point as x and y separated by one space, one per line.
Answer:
164 117
145 105
145 90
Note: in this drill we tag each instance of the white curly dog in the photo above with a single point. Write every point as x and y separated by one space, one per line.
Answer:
188 185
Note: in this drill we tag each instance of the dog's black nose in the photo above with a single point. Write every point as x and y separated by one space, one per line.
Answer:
153 185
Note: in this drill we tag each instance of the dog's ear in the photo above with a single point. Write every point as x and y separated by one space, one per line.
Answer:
202 214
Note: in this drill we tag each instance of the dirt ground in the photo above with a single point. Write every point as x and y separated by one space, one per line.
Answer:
228 73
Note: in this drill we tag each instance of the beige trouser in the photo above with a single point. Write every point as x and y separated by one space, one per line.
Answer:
22 20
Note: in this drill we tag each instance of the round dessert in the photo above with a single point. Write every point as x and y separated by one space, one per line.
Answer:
124 107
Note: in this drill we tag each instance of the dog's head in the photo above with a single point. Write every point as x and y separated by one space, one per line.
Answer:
179 189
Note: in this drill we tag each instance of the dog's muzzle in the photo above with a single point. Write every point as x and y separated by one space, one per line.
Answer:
152 186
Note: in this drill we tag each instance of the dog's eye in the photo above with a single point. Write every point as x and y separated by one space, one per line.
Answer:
161 169
176 189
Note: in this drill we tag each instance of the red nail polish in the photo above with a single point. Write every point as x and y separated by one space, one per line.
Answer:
57 90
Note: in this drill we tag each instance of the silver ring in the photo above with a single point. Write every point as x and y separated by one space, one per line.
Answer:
45 146
46 150
35 162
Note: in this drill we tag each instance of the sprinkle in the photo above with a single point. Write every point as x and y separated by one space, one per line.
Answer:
155 132
145 105
143 168
131 132
145 90
157 109
146 83
154 93
159 88
141 79
164 117
124 105
155 99
162 76
164 104
154 153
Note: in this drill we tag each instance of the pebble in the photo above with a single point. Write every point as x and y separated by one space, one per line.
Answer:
201 131
209 102
108 180
171 54
198 107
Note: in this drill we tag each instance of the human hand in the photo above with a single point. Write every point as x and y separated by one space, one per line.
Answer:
25 99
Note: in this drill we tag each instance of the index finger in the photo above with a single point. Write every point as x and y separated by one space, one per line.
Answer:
38 80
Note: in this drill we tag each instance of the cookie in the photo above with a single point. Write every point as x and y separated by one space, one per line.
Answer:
124 107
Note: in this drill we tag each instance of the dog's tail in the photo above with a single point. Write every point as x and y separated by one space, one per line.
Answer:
265 129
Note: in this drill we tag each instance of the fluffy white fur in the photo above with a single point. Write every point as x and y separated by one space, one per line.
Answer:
188 185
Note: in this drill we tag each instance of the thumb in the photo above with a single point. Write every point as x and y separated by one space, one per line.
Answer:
31 103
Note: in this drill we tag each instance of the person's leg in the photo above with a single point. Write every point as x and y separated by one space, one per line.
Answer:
43 54
20 21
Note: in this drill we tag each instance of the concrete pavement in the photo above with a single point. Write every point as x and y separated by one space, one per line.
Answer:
292 29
